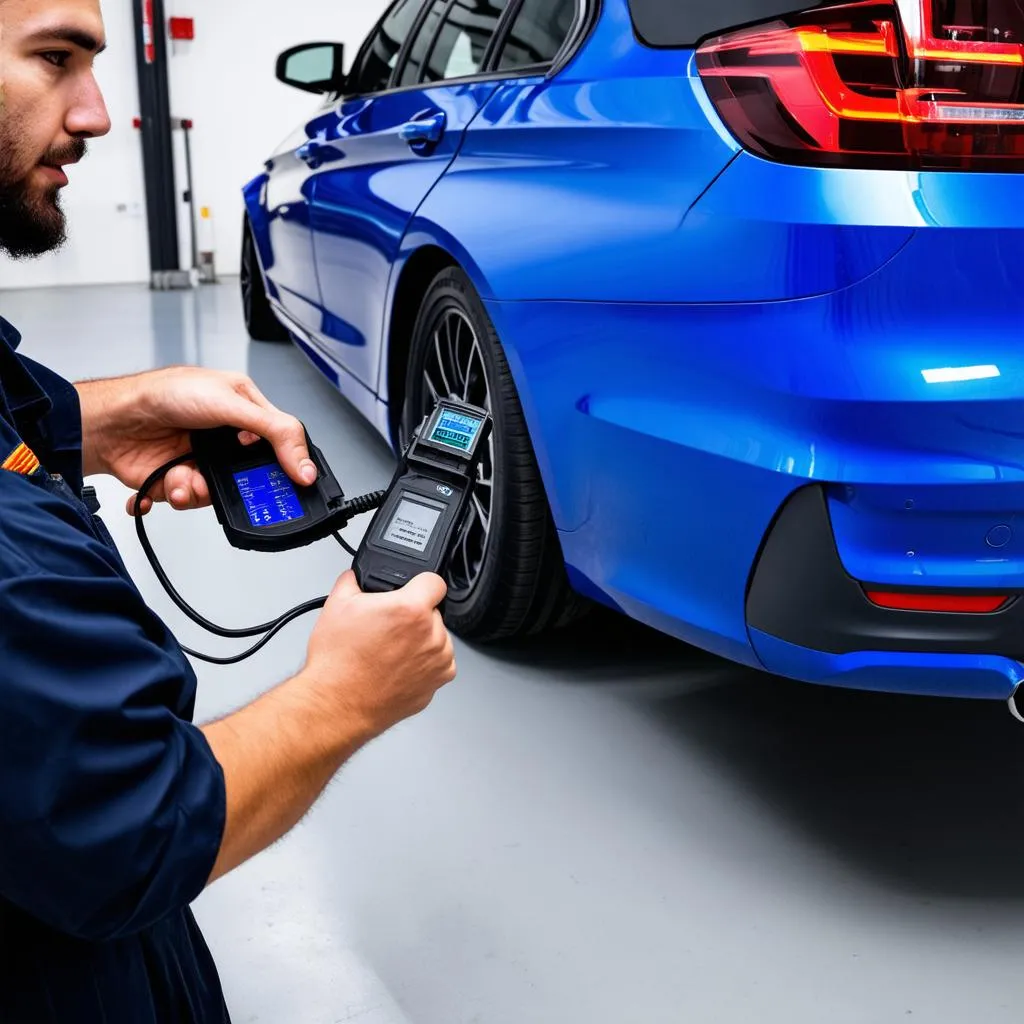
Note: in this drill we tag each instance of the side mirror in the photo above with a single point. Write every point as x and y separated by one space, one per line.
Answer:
313 67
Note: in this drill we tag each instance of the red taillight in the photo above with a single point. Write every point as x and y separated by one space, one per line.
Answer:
917 602
913 84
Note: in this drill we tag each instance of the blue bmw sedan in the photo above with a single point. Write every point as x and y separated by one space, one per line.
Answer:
742 285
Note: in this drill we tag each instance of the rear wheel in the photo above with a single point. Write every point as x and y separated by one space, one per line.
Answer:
507 576
260 321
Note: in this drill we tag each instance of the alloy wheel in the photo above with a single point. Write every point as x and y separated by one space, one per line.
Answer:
454 368
245 276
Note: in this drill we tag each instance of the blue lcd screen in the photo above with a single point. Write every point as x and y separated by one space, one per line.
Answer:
456 430
269 496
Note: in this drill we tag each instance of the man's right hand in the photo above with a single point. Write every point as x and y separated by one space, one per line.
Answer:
374 660
381 657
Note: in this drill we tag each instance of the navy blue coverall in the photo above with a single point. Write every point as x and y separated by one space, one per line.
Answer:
112 804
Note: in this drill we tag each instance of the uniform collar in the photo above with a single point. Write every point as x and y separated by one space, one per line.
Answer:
19 390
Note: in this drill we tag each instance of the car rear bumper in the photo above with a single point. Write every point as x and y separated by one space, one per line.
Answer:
982 676
800 592
810 619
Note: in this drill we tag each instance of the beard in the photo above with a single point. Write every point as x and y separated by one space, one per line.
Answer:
31 219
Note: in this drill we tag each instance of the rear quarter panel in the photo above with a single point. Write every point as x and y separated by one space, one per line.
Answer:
597 185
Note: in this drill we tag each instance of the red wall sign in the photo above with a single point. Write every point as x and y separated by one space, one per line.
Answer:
183 28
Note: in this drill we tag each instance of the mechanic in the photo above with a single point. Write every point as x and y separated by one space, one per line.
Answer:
115 810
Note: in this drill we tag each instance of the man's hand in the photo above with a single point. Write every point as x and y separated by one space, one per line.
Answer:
381 657
374 660
134 425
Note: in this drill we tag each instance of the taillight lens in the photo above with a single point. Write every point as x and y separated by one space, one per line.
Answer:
913 84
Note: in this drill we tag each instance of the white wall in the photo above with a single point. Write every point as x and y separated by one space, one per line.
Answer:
105 202
224 81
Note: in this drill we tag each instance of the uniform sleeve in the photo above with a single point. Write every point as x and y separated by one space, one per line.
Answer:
112 806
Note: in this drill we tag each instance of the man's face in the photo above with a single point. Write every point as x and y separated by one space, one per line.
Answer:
49 105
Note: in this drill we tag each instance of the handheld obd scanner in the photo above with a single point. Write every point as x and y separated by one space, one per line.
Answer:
418 524
258 506
425 508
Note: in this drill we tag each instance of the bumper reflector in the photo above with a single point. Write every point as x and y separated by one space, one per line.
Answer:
975 604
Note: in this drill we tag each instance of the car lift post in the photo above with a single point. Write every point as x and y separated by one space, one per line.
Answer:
157 147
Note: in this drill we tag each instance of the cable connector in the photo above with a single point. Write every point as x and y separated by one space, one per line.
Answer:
365 503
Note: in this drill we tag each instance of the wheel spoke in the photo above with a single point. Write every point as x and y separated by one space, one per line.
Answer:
482 514
482 477
479 543
453 352
473 352
440 363
246 280
464 544
445 355
458 570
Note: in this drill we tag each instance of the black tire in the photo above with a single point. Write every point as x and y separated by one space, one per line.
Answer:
508 578
260 321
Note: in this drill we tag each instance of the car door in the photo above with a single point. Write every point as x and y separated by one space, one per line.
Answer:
291 172
292 270
384 152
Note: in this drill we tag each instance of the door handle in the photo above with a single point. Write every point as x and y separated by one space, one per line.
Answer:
310 154
424 131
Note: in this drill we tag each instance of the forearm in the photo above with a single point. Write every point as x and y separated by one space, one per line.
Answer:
104 404
278 754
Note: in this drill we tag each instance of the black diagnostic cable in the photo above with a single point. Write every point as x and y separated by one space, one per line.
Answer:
345 544
267 630
421 513
285 619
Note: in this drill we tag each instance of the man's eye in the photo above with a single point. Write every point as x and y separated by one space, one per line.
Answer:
58 58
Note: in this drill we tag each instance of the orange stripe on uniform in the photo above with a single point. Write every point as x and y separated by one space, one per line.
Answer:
22 460
27 465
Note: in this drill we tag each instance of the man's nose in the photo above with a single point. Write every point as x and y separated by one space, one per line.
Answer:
88 117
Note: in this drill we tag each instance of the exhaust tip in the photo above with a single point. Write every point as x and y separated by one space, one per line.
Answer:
1014 704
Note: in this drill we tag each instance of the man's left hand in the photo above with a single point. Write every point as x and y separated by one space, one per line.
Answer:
134 425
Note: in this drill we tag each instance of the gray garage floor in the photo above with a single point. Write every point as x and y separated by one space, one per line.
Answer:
607 828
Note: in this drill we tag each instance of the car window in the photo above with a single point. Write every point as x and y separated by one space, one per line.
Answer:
420 48
462 45
537 34
662 24
378 58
